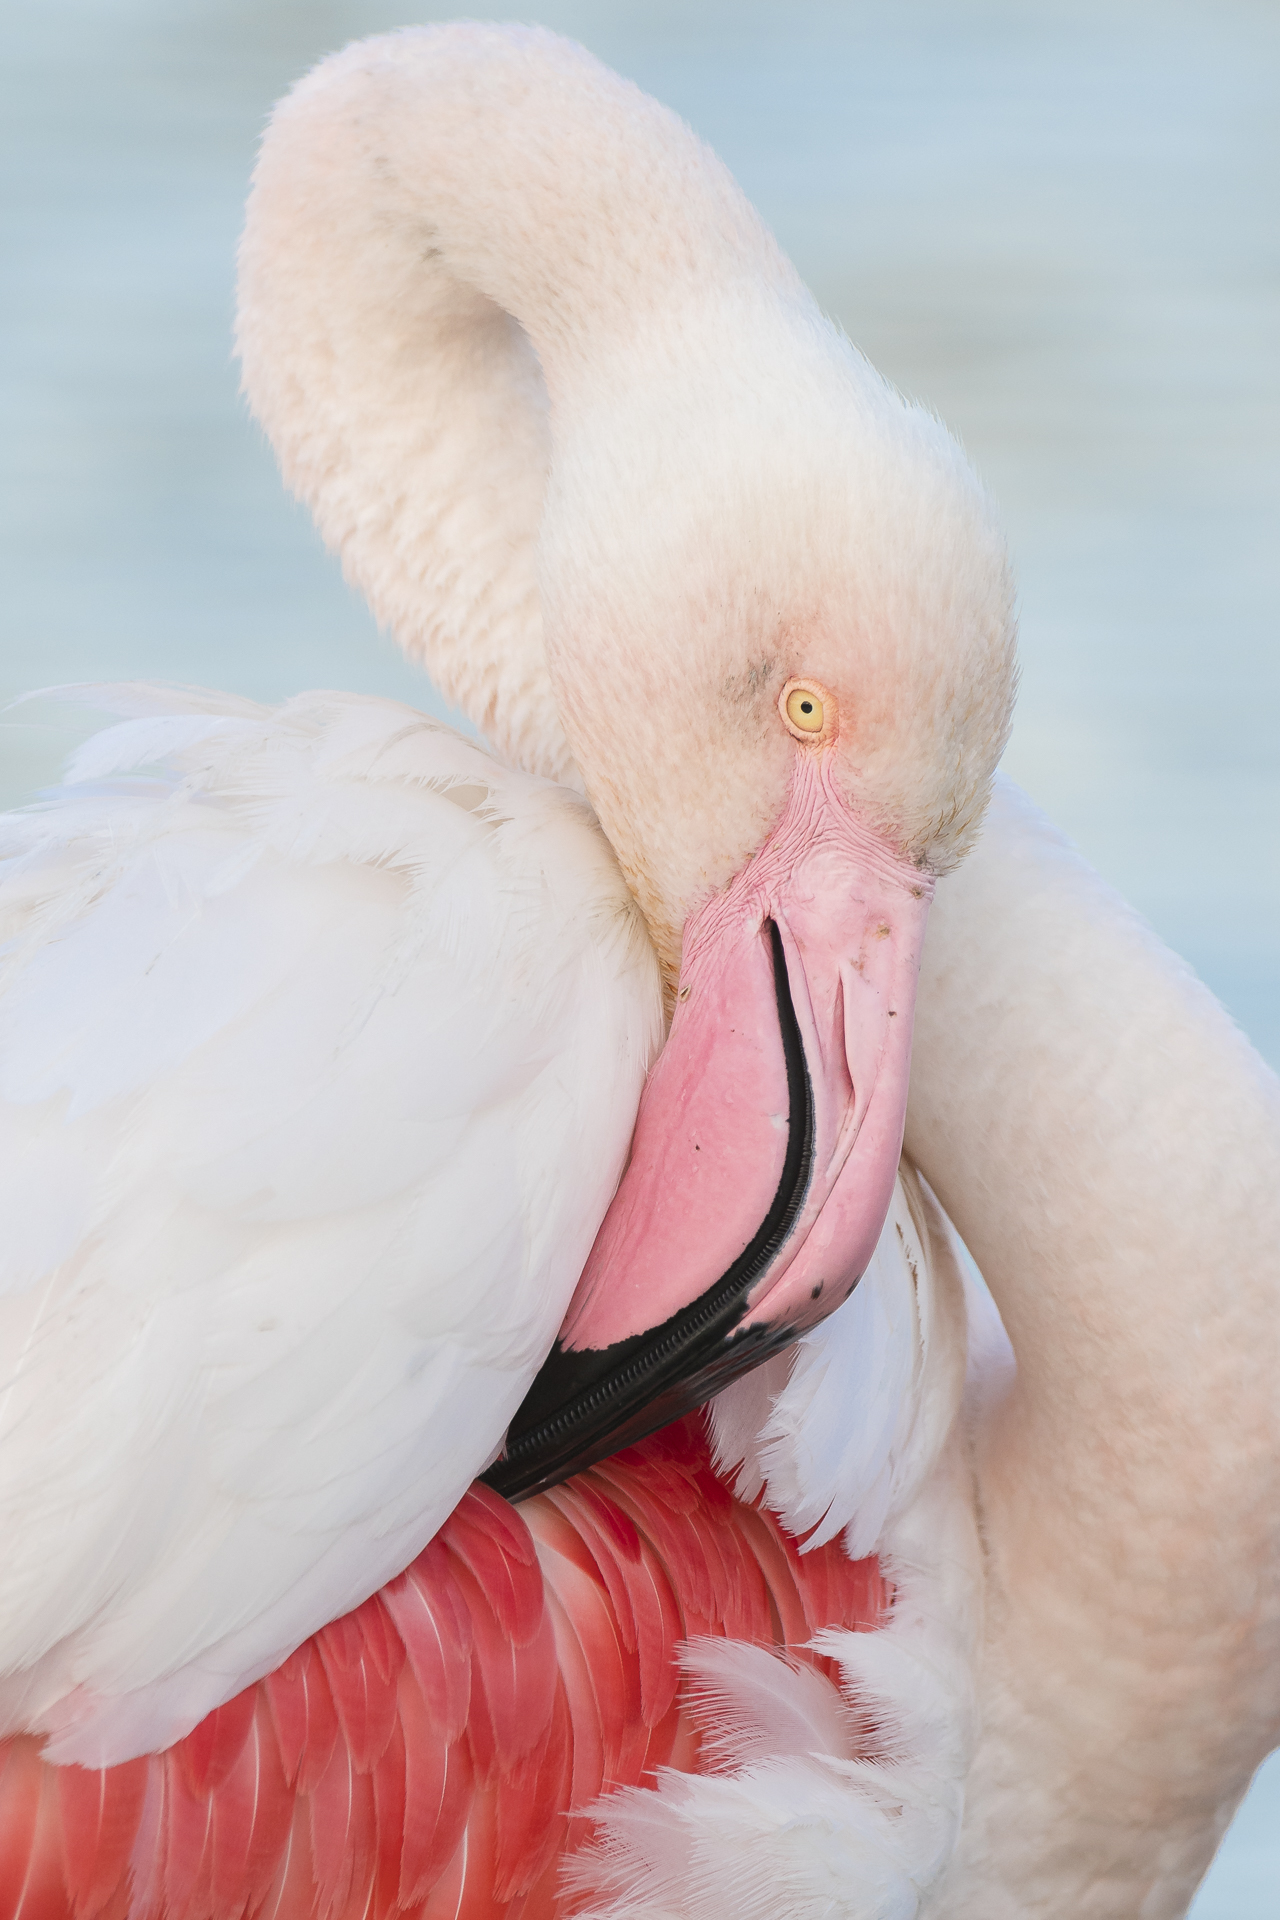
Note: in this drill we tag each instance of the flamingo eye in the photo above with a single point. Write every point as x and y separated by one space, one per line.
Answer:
804 710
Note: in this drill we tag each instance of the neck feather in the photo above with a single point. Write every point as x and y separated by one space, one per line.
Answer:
454 234
1108 1144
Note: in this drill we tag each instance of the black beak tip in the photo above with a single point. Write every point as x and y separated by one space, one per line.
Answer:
585 1406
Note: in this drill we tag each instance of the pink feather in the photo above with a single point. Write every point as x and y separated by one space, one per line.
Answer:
435 1751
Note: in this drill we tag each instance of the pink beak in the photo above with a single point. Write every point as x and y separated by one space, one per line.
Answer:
765 1148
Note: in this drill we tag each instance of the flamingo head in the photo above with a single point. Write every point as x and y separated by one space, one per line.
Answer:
594 453
780 630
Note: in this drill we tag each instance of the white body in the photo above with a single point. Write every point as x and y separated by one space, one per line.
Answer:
297 1183
299 1193
298 1038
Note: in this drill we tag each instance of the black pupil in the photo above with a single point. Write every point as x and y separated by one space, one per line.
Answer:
806 706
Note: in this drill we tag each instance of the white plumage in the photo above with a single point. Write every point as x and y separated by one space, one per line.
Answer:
321 1035
859 1429
351 1025
842 1434
303 1015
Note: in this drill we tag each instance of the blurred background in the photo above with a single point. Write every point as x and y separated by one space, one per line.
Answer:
1057 221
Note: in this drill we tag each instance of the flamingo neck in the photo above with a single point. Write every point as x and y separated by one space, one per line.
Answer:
1105 1140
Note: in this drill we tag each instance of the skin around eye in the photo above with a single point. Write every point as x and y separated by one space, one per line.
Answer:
808 711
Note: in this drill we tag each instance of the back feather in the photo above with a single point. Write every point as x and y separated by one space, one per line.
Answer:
321 1036
436 1751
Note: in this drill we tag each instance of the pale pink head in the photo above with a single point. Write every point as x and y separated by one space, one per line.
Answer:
591 448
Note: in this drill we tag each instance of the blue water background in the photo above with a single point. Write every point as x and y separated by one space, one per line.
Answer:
1058 221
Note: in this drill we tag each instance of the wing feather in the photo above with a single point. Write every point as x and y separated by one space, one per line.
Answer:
321 1036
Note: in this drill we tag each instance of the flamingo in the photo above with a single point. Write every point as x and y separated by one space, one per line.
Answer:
331 1184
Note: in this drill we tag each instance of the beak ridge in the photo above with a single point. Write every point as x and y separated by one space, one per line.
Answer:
585 1403
765 1148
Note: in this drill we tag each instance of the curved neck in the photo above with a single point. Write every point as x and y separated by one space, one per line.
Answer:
451 231
1108 1145
590 449
558 190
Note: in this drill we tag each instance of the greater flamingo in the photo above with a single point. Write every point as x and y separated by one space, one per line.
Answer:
324 1035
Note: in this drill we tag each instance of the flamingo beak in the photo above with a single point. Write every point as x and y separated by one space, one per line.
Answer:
765 1148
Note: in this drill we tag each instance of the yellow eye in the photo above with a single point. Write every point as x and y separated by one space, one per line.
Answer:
808 712
805 711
